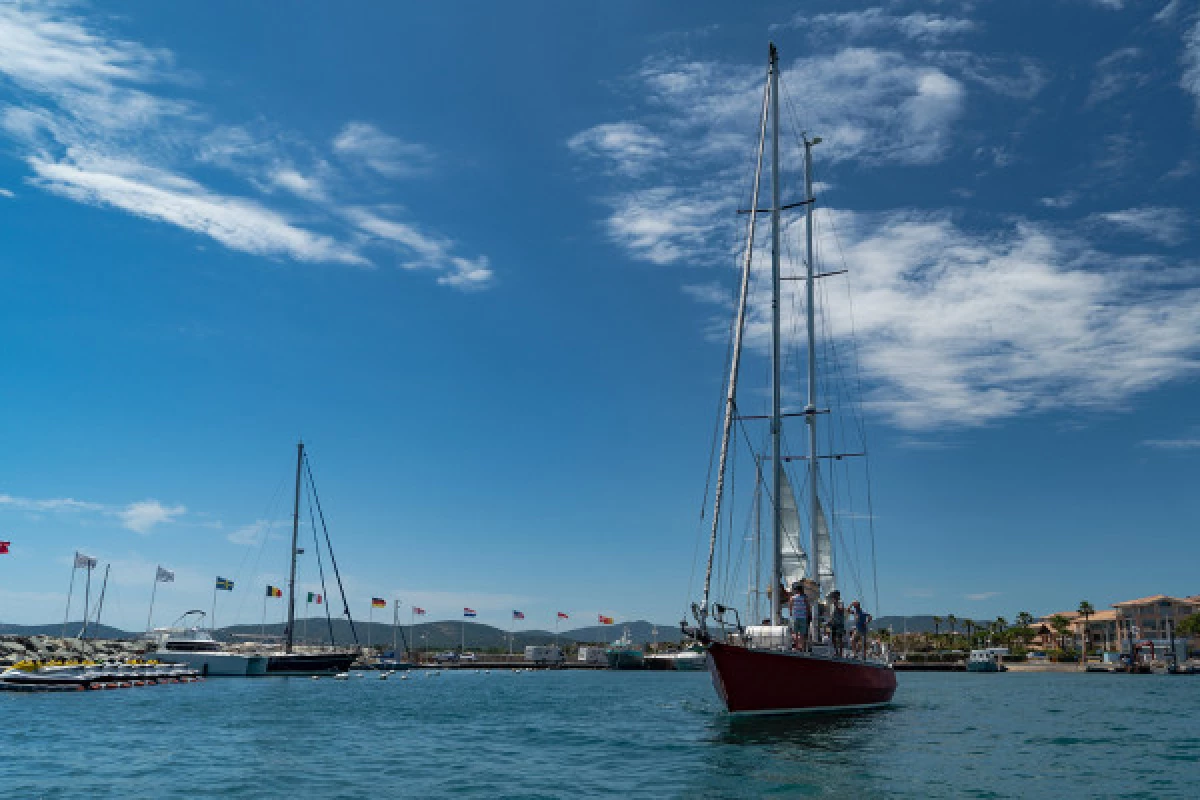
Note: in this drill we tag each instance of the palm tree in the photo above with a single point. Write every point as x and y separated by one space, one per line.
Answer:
1086 611
969 625
950 620
1061 626
1025 619
937 624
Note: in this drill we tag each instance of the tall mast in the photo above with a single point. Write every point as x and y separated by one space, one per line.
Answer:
810 410
295 541
735 364
776 358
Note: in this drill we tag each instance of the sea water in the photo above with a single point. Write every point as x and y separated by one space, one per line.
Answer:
593 734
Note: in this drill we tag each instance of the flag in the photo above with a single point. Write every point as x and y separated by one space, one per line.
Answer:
605 620
561 615
84 562
378 602
224 584
313 597
420 612
164 576
4 548
272 591
518 615
468 612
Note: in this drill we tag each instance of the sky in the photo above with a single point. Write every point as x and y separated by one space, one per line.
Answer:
481 259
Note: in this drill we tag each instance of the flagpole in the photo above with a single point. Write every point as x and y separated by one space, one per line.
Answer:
395 625
412 624
264 616
307 603
212 621
70 591
370 618
463 648
87 595
153 592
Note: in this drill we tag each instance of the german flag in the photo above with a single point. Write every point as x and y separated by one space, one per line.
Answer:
378 602
274 591
605 620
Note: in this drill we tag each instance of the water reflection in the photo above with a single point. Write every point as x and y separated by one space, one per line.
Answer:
819 731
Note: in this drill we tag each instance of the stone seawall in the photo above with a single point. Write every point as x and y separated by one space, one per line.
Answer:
45 648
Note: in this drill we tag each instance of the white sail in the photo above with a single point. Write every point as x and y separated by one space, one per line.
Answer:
824 554
793 560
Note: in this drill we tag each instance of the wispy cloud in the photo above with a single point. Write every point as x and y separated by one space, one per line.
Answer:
141 517
144 516
631 147
1191 62
421 250
1173 444
1115 74
982 595
872 22
1166 226
390 156
103 121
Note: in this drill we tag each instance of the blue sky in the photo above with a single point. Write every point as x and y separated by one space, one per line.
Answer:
481 260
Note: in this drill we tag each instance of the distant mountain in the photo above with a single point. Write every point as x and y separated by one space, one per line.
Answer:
446 634
442 635
56 629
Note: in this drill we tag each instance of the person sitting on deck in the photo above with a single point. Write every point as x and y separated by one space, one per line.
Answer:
862 621
801 614
837 622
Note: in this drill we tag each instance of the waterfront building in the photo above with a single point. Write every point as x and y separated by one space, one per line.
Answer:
1099 631
1154 619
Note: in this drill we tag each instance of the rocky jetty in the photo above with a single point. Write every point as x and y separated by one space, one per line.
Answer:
45 648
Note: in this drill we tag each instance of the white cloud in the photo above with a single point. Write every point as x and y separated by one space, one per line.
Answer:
1061 201
1191 61
93 121
664 225
631 147
1167 13
1167 226
306 186
50 504
143 516
237 223
961 328
6 193
423 250
982 595
249 534
869 22
1173 444
1114 75
388 155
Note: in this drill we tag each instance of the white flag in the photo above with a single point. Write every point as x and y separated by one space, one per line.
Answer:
84 561
165 576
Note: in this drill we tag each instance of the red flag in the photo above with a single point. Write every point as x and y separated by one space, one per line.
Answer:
605 620
4 548
561 615
420 612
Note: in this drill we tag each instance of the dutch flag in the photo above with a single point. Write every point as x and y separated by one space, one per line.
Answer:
468 612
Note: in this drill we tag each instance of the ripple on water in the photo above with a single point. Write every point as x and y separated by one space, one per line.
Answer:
603 734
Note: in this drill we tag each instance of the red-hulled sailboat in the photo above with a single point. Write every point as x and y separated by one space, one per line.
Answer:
760 668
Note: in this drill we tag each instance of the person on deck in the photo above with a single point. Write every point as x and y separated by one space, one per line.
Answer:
837 622
862 621
801 611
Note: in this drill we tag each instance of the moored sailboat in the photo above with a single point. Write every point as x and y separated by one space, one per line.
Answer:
764 668
291 662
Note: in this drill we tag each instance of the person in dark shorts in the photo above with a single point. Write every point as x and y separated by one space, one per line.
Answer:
837 622
801 612
862 621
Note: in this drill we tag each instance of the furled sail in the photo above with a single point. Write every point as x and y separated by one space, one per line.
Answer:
824 555
793 560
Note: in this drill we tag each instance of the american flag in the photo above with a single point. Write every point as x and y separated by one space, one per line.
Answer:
518 615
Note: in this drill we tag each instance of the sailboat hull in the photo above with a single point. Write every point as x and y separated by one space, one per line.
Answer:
772 682
309 663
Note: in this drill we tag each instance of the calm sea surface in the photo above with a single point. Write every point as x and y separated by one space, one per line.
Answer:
584 734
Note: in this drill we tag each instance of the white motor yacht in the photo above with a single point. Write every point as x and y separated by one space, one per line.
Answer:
195 647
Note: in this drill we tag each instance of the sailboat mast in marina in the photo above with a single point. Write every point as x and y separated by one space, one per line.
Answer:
757 668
